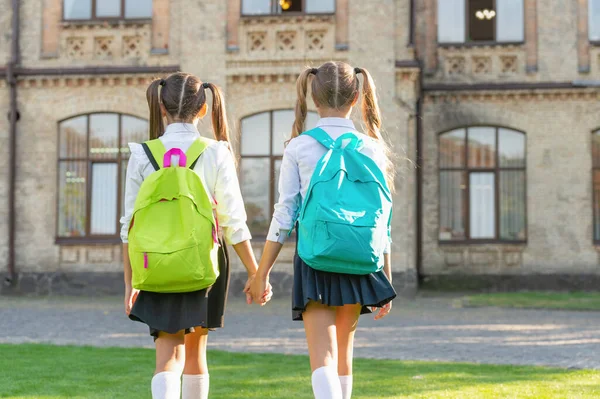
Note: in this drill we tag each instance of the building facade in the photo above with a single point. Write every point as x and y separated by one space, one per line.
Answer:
81 76
491 107
510 143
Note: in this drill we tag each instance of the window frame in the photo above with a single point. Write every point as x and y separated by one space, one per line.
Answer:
94 18
495 42
467 171
274 13
595 168
90 238
593 42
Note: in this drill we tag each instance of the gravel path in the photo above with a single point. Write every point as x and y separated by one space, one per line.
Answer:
423 329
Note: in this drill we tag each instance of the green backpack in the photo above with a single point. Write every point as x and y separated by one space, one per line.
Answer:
173 242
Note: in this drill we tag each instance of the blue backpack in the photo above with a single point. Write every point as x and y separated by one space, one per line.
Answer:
344 222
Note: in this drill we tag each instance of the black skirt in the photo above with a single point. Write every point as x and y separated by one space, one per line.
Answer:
171 313
336 289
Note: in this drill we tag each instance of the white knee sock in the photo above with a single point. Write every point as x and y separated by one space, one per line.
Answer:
166 385
346 381
195 386
326 384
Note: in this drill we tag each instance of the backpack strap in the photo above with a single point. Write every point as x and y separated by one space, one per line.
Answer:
321 136
155 150
196 149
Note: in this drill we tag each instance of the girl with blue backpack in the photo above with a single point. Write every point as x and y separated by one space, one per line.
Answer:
181 192
334 187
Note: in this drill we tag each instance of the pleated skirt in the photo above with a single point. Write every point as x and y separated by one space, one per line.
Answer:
335 289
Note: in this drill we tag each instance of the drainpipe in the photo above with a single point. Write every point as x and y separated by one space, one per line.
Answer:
419 177
11 80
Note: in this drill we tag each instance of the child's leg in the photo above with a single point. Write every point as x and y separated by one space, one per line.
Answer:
195 373
319 325
170 357
346 322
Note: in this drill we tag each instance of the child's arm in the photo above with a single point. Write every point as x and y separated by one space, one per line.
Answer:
133 182
387 269
232 214
267 260
283 220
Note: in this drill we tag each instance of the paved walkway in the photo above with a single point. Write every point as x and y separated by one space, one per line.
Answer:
424 329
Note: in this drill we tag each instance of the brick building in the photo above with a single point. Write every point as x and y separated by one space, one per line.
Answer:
494 101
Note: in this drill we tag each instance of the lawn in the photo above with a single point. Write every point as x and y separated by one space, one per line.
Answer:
56 372
537 300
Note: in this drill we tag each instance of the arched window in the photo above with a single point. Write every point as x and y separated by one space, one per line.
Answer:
596 183
262 144
482 185
92 158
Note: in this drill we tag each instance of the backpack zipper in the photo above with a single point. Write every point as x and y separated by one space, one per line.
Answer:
145 260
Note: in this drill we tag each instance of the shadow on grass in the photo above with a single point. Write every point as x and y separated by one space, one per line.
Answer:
53 372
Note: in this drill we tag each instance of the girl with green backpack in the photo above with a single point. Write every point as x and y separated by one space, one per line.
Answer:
334 187
181 192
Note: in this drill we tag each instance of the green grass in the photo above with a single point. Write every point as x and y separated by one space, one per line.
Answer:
55 372
537 300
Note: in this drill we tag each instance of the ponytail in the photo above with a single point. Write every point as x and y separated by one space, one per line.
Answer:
219 116
301 107
153 96
370 108
372 120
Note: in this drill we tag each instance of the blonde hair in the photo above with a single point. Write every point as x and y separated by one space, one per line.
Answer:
335 85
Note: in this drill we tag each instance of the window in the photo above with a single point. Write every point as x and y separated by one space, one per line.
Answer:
594 20
482 185
269 7
93 156
472 21
596 183
262 144
107 9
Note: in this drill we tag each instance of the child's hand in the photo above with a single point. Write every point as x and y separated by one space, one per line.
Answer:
247 288
383 311
131 295
260 290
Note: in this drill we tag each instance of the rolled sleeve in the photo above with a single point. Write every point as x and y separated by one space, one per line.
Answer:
133 182
230 204
286 208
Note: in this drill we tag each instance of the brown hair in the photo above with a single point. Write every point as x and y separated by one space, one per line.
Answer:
336 85
183 95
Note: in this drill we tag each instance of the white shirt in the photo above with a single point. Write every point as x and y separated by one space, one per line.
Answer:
215 167
299 161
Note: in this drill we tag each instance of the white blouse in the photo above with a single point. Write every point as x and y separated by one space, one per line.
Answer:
299 161
215 167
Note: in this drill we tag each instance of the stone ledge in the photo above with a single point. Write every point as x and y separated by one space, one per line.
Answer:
111 283
512 283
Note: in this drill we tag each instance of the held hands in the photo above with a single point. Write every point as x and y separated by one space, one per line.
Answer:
260 290
262 287
131 295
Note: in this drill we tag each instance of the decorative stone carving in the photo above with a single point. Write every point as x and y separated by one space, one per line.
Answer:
482 65
257 42
103 47
315 40
132 46
76 47
508 64
286 41
455 65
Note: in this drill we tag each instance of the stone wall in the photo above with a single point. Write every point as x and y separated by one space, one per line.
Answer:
558 127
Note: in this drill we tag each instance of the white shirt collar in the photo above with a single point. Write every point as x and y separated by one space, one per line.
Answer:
181 128
341 122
